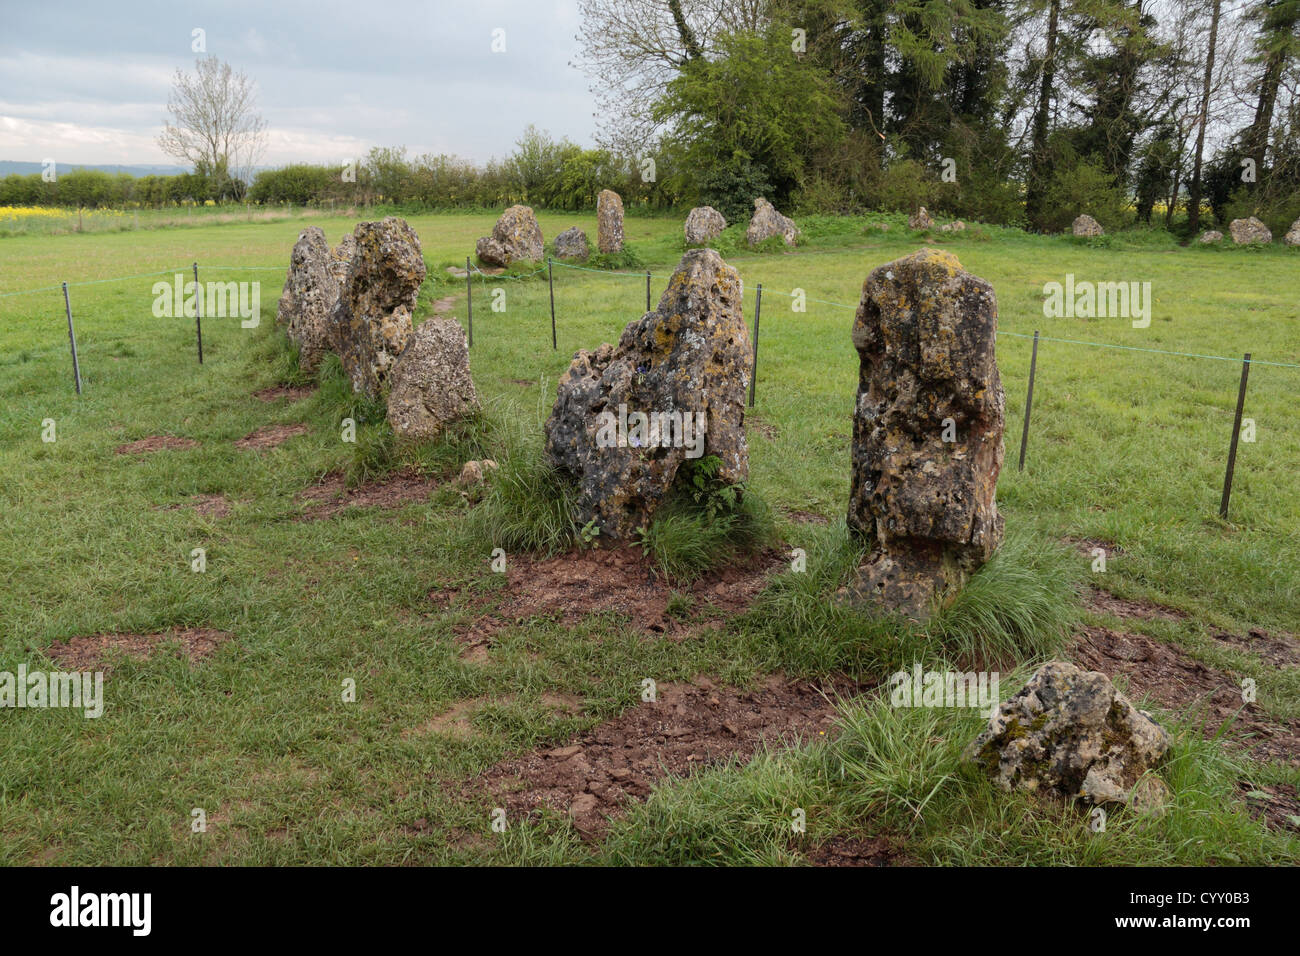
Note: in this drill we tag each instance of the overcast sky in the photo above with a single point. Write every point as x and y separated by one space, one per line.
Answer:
88 82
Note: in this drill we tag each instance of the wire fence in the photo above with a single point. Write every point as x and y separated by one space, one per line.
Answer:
472 271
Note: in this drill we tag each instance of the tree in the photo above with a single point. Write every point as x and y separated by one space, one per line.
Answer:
1194 196
214 125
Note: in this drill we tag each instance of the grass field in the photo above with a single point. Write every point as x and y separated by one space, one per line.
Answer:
1128 448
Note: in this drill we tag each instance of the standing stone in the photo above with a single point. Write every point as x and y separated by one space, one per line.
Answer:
609 222
1292 237
1248 231
627 417
703 223
1086 226
515 237
767 222
430 386
1070 734
920 220
927 432
572 244
341 258
1211 235
371 322
310 293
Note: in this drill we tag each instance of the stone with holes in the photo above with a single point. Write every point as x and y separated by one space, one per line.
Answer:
767 222
371 321
572 244
927 432
1086 227
627 418
1069 733
311 290
702 224
609 222
920 219
516 237
431 385
1246 232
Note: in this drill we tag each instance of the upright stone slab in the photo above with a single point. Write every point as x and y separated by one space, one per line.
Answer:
515 237
431 385
628 417
371 322
927 432
609 222
572 244
1292 237
767 222
311 291
920 220
702 224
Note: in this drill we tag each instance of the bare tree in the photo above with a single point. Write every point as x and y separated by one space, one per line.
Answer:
214 124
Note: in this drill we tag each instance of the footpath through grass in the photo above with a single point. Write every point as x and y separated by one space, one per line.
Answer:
1127 449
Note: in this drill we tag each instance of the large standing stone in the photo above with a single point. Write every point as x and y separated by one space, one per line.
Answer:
627 417
572 244
1247 231
1070 733
767 222
1087 227
372 320
310 293
1292 237
341 258
515 237
927 431
609 222
430 386
703 223
920 219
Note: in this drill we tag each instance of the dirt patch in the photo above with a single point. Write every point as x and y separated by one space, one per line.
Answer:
525 382
689 726
443 306
91 653
1103 602
277 392
332 495
622 580
1183 685
843 850
770 432
269 436
1280 650
1278 805
154 443
206 506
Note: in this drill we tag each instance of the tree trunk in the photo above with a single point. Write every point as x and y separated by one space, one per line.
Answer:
1039 164
1194 199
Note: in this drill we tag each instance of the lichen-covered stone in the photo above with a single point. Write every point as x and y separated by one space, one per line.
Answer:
430 386
1292 237
689 361
767 222
702 224
515 237
920 219
1211 235
1086 226
1247 231
572 244
1070 733
955 226
609 222
371 321
927 432
311 291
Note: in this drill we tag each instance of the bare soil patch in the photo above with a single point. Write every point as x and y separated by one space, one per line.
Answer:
1277 805
443 306
1103 602
92 653
269 436
1280 650
277 392
205 506
690 725
331 495
1183 685
144 446
571 586
806 517
845 850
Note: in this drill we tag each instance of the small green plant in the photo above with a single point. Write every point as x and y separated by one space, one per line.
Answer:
679 605
590 534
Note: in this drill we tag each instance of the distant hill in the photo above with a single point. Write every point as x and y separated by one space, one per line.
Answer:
7 167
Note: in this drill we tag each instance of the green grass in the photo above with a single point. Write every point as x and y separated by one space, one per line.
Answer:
1127 448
